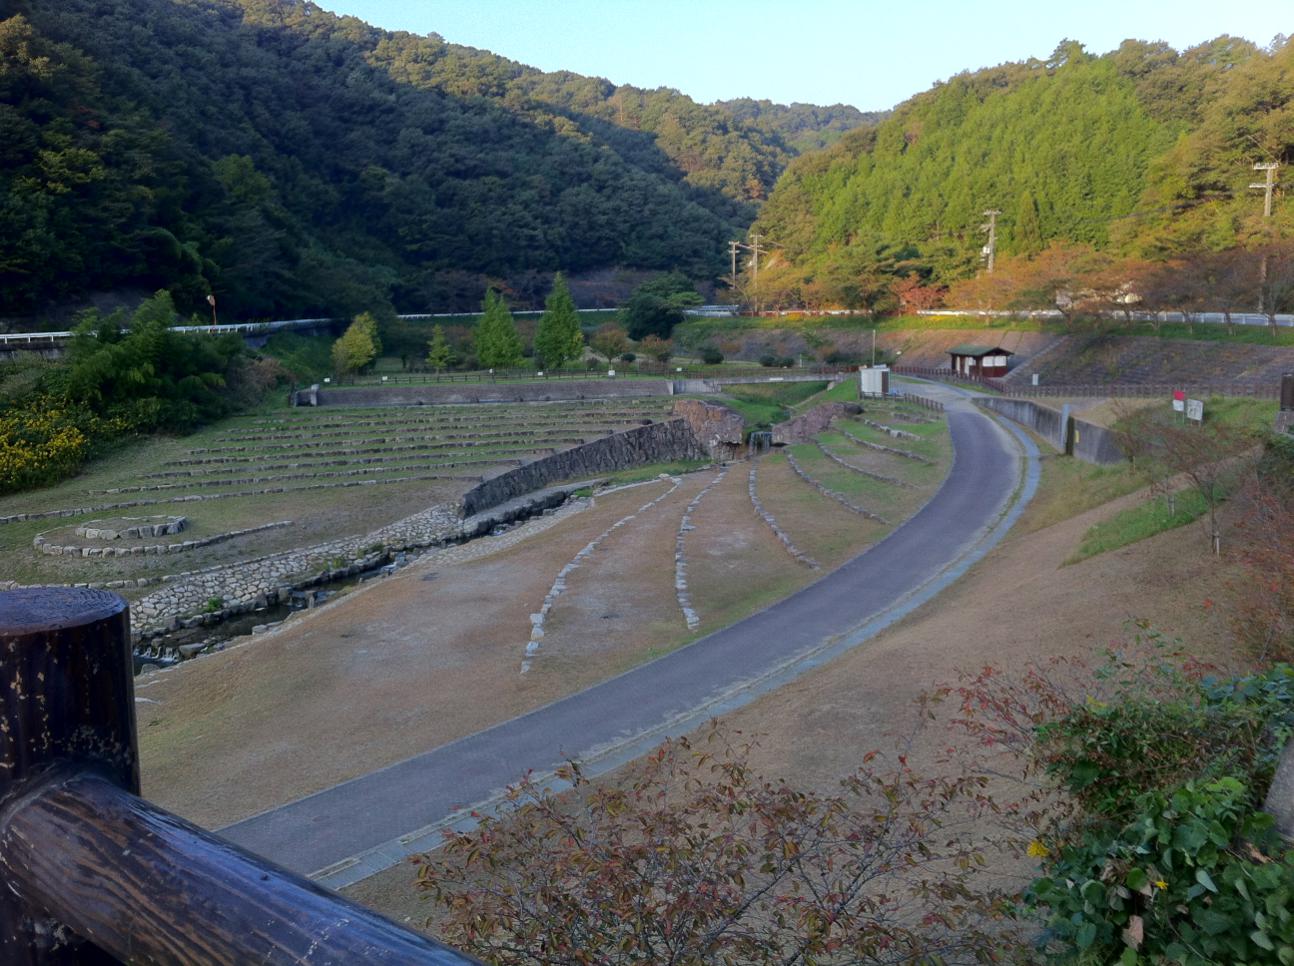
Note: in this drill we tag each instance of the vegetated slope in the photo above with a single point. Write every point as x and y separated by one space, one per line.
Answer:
299 162
1105 151
804 127
1129 360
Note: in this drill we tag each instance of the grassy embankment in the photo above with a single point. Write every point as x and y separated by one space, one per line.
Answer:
1070 487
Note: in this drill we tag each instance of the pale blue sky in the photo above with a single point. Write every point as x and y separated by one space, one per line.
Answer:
869 54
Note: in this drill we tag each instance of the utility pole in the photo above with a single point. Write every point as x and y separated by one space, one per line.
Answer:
755 250
990 250
1267 187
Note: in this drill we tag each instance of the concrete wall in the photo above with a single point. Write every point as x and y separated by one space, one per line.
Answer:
484 392
657 443
1092 443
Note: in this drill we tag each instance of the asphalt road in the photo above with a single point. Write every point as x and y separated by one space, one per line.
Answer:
372 813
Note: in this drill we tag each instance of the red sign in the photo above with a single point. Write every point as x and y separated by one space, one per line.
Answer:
1179 400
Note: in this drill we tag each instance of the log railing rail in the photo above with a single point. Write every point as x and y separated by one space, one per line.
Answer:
94 873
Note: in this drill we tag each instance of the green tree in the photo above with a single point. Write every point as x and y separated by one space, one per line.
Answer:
356 347
498 345
558 339
438 351
657 305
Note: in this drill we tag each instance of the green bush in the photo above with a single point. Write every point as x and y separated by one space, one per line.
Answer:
1167 858
1107 754
1196 877
711 356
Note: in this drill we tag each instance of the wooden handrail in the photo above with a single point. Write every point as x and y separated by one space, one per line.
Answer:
93 872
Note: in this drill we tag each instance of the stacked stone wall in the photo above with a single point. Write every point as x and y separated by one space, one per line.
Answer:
658 443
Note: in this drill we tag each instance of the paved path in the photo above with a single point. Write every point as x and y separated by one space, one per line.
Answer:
355 829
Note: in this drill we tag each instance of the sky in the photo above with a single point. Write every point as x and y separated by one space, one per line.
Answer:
865 53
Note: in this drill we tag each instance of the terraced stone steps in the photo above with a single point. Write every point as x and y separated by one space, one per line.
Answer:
840 498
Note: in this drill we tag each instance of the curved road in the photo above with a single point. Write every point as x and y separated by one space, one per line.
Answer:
357 828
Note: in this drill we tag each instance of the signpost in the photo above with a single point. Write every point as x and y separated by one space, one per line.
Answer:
1195 410
1179 401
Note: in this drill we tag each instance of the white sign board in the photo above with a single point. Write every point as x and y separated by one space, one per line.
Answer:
1195 410
1179 401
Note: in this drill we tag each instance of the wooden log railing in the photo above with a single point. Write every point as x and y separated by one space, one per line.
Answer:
95 874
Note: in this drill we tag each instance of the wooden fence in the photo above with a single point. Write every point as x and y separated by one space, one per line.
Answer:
640 371
95 874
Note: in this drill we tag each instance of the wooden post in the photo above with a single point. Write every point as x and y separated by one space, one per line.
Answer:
1287 392
94 874
66 699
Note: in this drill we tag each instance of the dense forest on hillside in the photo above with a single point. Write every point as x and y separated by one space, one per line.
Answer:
1143 152
805 127
295 162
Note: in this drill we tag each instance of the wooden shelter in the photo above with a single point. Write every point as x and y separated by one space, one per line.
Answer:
979 361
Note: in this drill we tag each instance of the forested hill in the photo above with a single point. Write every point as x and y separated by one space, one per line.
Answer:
297 162
1144 151
805 127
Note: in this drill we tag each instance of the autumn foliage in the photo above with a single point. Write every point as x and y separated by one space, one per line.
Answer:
696 859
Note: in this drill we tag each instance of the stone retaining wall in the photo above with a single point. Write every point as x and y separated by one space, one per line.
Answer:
149 549
805 427
131 528
658 443
484 392
720 430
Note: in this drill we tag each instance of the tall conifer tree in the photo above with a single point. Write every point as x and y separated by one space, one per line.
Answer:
558 339
498 345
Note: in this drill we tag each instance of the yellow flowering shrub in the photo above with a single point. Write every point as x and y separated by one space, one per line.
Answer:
41 443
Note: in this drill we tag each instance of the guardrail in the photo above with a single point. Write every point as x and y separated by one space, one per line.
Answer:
96 874
1205 318
29 338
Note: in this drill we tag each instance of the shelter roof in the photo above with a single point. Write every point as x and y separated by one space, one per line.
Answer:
975 349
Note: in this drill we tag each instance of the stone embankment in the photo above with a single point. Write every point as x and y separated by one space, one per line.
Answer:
484 392
778 532
720 431
207 596
826 491
658 443
540 617
835 458
890 430
818 419
132 528
680 559
905 454
202 497
43 545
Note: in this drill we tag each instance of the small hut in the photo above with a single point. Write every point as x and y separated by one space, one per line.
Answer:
979 361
